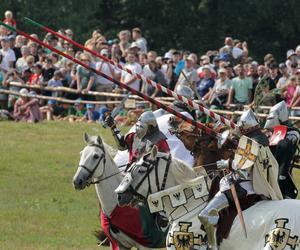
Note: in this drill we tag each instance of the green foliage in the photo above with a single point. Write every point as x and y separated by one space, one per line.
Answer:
267 26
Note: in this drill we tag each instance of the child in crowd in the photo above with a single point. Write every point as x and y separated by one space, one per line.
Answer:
91 114
9 19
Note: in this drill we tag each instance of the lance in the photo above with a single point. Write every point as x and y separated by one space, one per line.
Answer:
158 86
122 85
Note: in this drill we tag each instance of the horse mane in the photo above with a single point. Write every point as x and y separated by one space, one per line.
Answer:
181 172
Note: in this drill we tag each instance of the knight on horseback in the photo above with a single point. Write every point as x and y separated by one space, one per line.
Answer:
253 171
283 144
146 129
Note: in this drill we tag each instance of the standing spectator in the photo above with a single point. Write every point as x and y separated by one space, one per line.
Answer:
56 81
69 33
132 65
284 75
219 93
8 55
292 58
273 76
124 43
206 83
102 84
21 63
9 19
289 90
48 69
241 89
188 76
141 41
85 78
157 76
253 76
12 45
261 71
143 60
36 77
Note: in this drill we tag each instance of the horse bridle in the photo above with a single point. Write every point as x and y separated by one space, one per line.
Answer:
91 172
150 166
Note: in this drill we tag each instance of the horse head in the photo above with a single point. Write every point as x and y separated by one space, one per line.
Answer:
154 172
92 162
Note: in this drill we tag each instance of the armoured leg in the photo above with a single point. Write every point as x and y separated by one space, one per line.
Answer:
209 217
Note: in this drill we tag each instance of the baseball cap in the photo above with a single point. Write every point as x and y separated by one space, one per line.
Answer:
104 52
168 55
90 106
78 101
4 38
51 102
24 91
134 45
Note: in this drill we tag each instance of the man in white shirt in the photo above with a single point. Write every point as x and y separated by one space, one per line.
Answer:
8 54
102 84
141 41
128 79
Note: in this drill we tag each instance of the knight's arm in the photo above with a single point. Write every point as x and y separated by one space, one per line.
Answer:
119 138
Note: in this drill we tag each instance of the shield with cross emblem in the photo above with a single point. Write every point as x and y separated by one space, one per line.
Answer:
246 153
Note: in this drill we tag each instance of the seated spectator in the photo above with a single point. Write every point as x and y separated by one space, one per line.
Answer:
8 55
21 63
289 89
36 78
77 112
206 83
27 108
241 88
219 94
3 85
91 114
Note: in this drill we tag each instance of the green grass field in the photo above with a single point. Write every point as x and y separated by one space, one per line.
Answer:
39 208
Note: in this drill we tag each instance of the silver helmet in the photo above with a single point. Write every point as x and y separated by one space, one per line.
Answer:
146 119
248 122
279 113
185 91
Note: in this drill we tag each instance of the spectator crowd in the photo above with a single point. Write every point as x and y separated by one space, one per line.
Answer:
219 78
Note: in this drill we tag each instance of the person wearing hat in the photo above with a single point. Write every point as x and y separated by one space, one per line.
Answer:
292 58
91 115
8 55
206 83
188 75
77 112
139 40
27 108
102 84
36 77
219 93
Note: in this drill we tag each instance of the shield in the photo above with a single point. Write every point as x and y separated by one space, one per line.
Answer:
278 134
246 153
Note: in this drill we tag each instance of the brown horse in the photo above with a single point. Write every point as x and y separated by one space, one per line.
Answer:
204 147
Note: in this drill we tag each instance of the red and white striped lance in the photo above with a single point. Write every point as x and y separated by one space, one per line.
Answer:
158 86
122 85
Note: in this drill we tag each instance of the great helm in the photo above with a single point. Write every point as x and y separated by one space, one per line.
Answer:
248 122
145 122
278 114
185 91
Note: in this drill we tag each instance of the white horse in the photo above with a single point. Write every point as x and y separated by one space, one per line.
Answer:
97 167
270 224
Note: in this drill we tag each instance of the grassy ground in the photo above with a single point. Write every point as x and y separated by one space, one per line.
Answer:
39 208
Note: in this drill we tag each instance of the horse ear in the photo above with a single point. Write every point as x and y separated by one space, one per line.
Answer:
86 138
99 140
153 153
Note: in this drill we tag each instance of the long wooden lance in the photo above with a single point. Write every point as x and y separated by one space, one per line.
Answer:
158 86
122 85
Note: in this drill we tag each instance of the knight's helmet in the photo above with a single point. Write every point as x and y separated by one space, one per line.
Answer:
279 114
248 122
146 123
185 91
